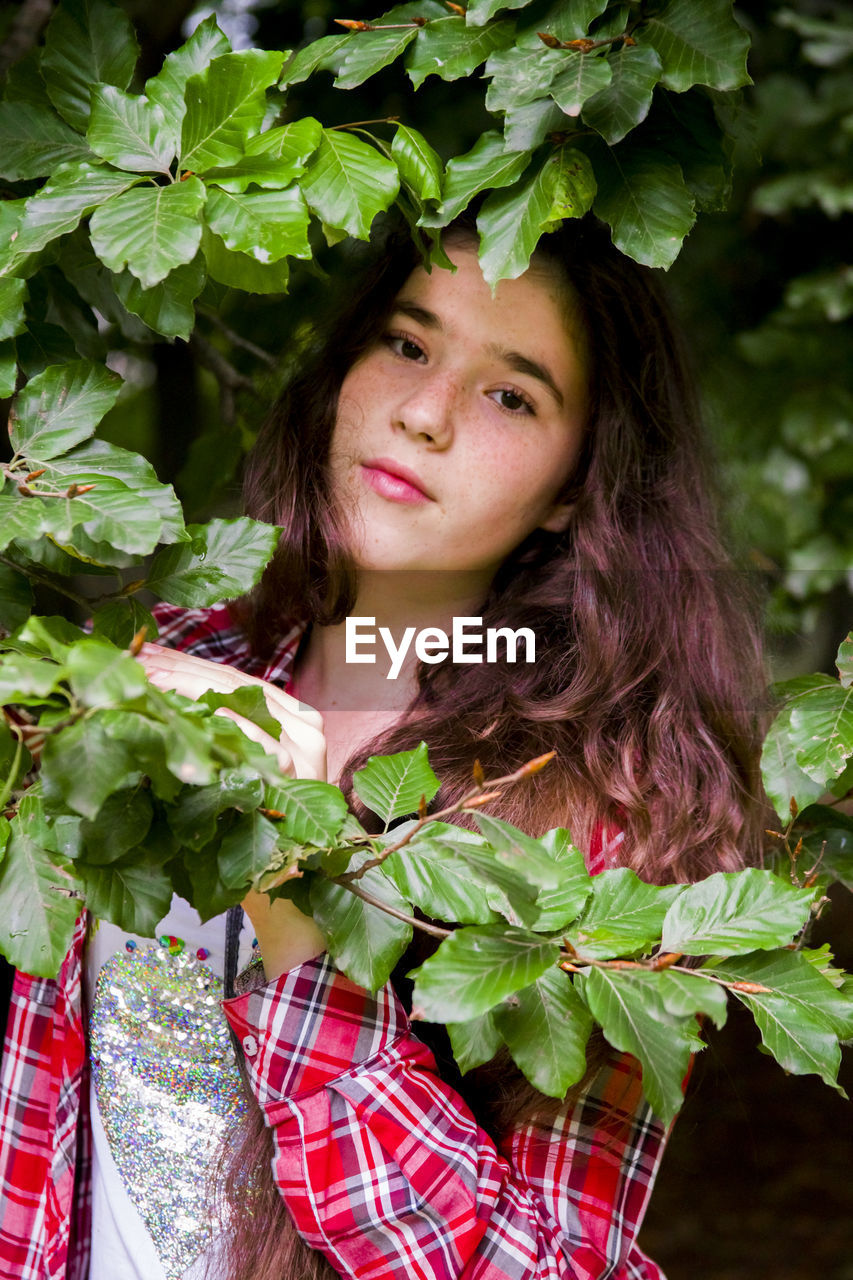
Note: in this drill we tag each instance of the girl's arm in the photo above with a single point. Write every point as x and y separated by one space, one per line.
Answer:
385 1171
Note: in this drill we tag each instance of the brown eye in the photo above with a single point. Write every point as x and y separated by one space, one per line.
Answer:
410 350
510 400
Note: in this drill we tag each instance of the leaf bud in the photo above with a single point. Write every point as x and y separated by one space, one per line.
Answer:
34 475
583 45
135 646
456 8
551 41
536 764
353 24
25 491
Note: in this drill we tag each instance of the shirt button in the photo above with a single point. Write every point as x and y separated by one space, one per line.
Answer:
250 1045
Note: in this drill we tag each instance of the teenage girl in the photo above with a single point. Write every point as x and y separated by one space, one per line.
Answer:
531 457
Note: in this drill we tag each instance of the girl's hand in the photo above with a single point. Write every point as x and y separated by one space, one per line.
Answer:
301 749
286 937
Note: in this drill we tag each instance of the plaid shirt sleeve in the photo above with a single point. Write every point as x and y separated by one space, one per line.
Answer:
385 1171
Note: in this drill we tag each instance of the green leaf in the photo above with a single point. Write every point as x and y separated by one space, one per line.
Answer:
520 76
474 1042
520 852
821 732
796 977
225 104
249 702
194 813
734 912
240 271
120 620
488 165
347 183
150 230
223 559
8 369
364 941
476 968
844 662
646 202
527 127
583 77
433 877
370 51
698 44
134 896
511 222
25 678
72 192
61 407
313 811
557 907
37 911
34 141
392 786
688 993
87 42
624 103
208 894
265 225
122 823
168 307
623 916
20 517
420 166
783 778
324 54
96 462
167 88
547 1026
16 598
567 20
130 131
82 765
101 675
445 47
629 1007
13 296
801 1041
246 850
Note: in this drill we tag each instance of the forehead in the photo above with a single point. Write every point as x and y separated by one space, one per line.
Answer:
536 313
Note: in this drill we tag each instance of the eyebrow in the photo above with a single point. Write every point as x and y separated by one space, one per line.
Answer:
514 359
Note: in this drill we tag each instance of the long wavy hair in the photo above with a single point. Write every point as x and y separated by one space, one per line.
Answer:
651 689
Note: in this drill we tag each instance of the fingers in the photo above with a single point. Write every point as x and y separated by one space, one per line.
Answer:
301 740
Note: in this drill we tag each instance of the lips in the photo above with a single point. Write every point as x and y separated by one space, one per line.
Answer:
392 480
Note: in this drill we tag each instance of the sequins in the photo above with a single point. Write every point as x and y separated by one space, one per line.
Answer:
167 1087
173 945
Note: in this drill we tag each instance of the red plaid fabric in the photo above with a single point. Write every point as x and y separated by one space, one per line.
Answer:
380 1162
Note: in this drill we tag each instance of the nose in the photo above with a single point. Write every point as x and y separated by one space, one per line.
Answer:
428 410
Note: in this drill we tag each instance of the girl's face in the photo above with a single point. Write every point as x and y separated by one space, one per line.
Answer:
457 430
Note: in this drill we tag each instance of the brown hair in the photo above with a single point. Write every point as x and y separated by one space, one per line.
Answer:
651 689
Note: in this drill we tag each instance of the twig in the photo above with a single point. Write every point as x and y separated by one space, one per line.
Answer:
258 352
483 793
432 929
230 379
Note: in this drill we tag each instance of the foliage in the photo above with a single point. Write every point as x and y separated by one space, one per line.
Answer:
141 793
133 207
768 288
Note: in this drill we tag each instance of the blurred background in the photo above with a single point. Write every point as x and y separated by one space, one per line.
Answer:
756 1183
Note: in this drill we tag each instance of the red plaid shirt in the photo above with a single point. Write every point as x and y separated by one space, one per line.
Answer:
380 1162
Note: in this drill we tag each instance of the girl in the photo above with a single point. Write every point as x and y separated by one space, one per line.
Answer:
531 458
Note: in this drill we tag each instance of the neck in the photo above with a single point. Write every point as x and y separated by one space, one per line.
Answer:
391 609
